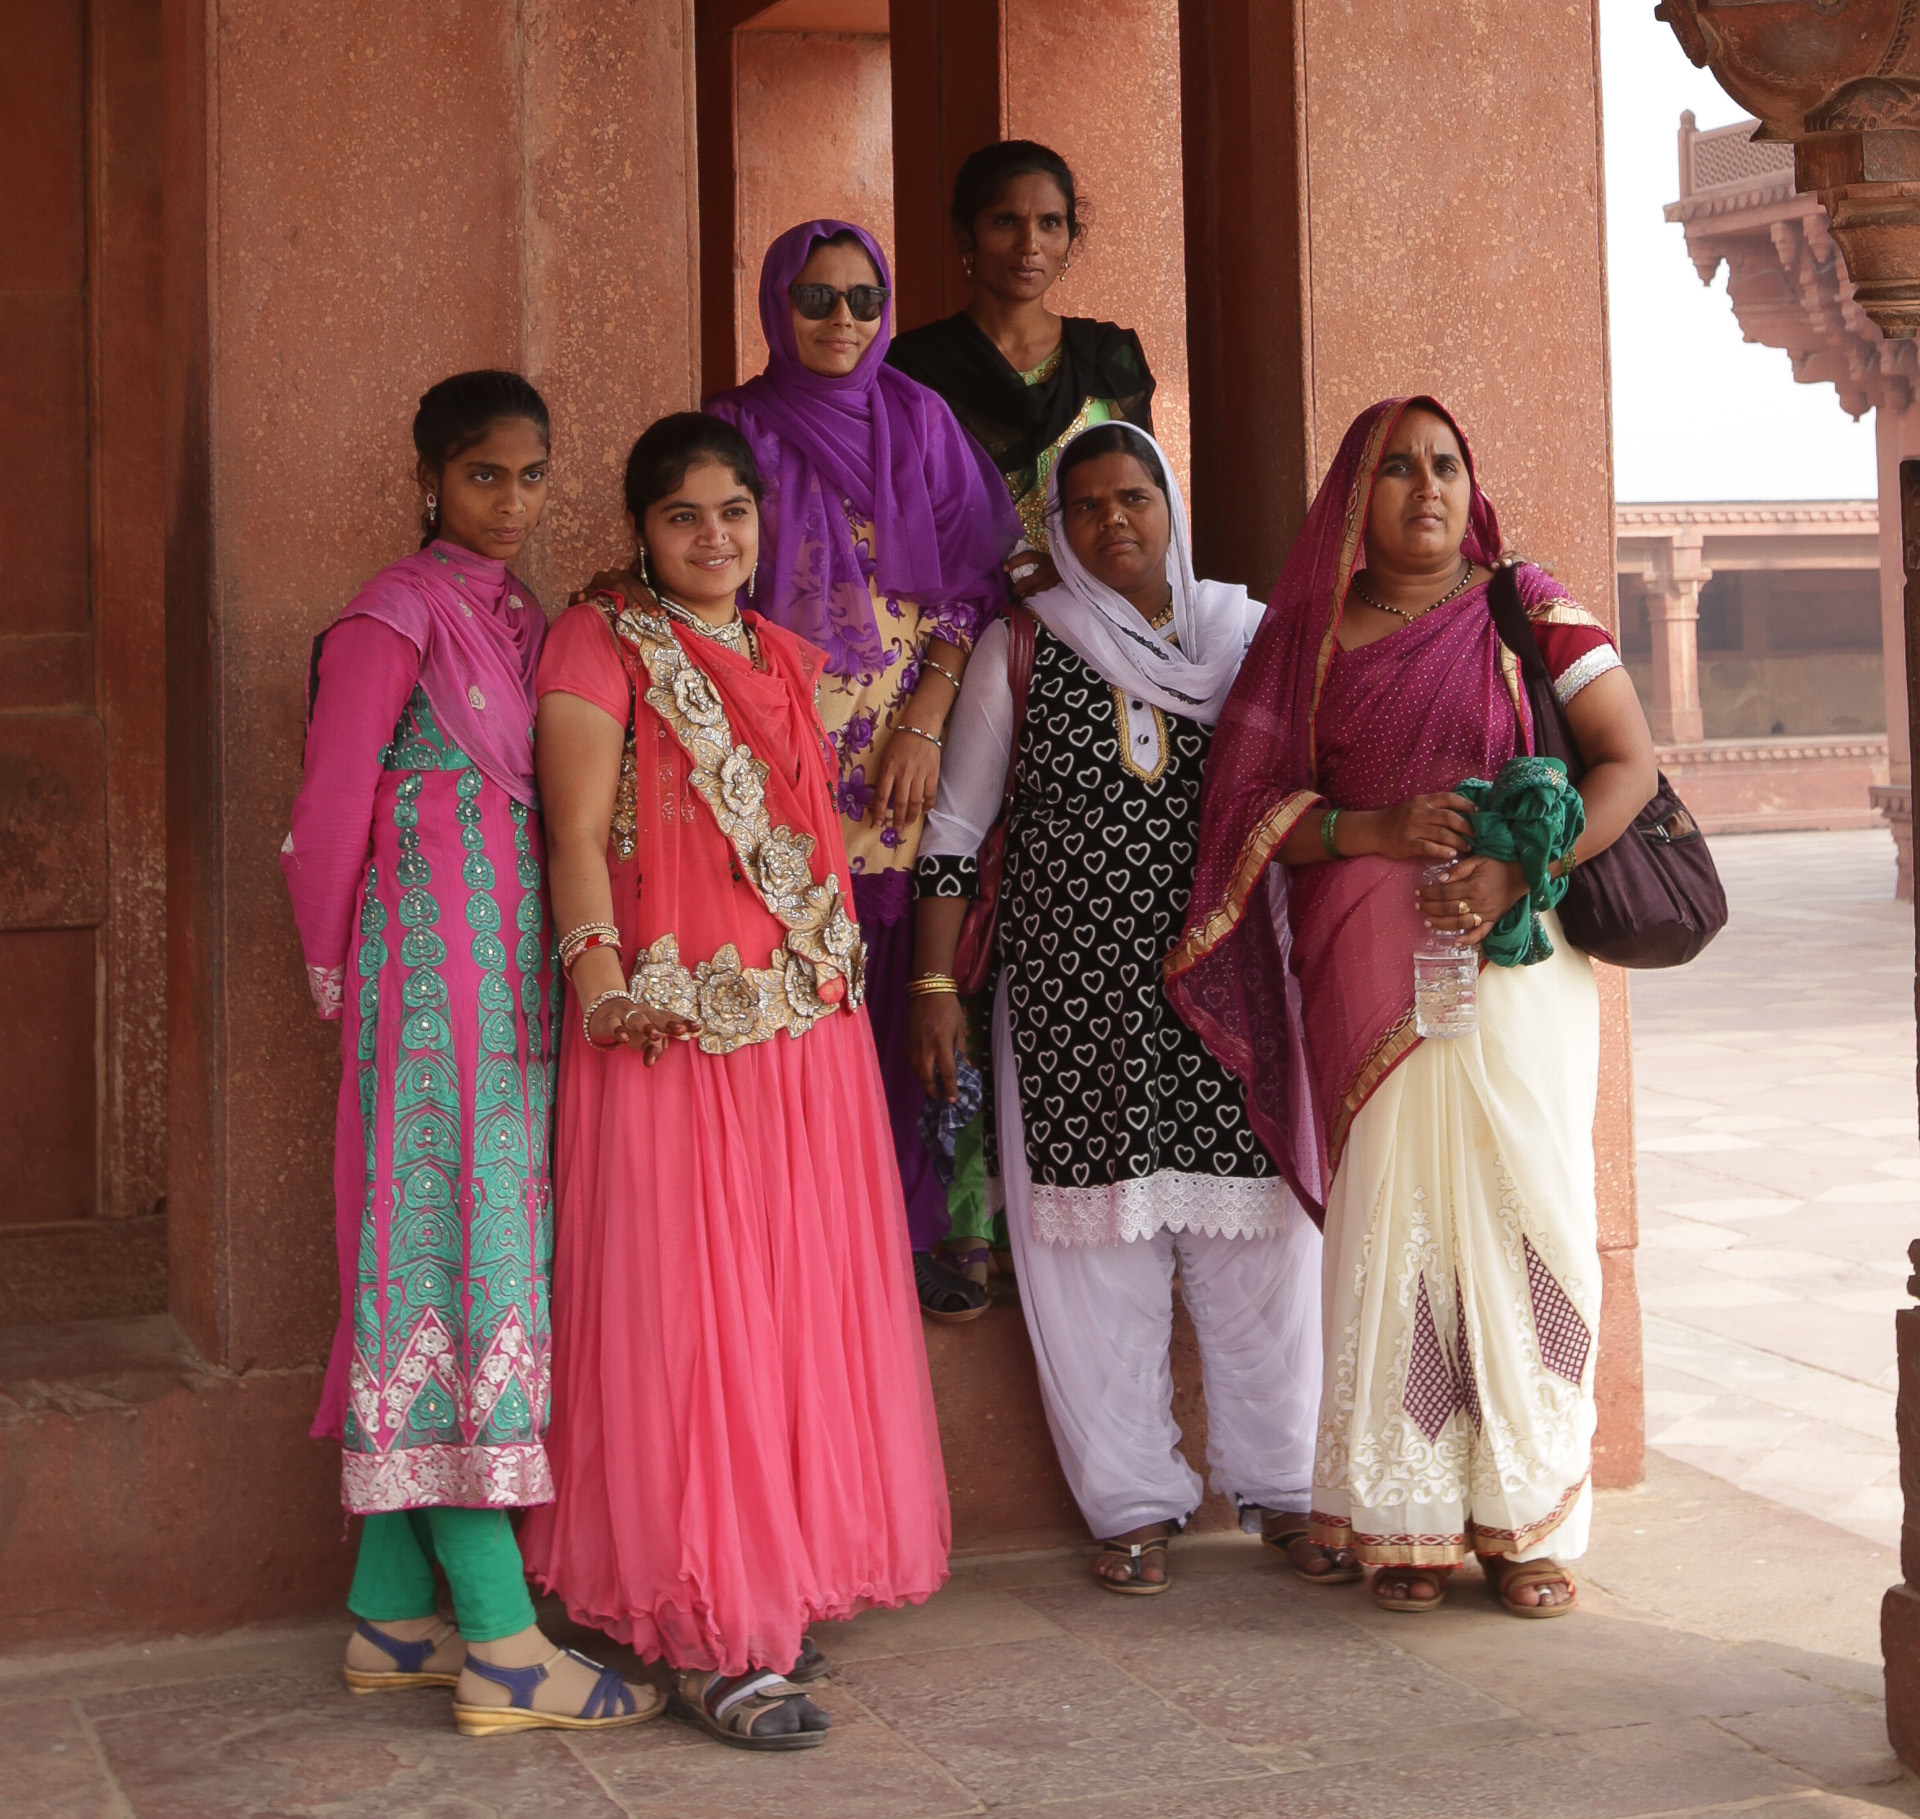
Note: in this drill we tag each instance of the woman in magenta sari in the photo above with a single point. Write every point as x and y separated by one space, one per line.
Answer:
885 526
1462 1288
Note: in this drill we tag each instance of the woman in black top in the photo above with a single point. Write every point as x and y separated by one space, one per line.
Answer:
1022 380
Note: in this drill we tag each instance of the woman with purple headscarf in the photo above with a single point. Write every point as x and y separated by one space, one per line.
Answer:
883 532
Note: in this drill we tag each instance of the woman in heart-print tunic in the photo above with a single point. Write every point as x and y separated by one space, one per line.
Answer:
1114 1089
1124 1150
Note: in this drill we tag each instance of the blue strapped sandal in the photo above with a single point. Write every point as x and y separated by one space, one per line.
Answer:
610 1703
409 1661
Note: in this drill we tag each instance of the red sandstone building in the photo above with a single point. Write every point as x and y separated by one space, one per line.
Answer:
241 240
1788 282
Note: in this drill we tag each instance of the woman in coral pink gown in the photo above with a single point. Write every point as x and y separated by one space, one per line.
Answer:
744 1438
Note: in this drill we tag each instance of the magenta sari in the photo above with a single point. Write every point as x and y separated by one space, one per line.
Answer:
1308 723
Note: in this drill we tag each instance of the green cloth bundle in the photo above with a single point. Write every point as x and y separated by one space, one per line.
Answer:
1532 814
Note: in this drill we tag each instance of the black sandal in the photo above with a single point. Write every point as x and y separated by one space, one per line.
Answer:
728 1706
810 1665
1136 1584
945 1295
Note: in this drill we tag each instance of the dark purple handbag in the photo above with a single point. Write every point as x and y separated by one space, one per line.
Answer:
1653 897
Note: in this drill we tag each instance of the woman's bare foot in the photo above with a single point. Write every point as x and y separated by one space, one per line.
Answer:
1287 1532
1313 1561
1152 1568
568 1685
1410 1587
1530 1587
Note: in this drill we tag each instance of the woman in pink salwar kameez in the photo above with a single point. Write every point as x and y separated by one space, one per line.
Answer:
415 863
744 1439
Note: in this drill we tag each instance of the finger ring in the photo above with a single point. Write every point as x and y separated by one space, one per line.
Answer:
1461 909
1025 569
1476 922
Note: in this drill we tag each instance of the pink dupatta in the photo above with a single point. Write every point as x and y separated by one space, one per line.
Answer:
1301 981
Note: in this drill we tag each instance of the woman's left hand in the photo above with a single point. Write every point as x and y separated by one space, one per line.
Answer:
1477 892
1030 572
909 776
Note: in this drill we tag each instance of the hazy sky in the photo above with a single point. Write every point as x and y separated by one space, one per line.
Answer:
1698 413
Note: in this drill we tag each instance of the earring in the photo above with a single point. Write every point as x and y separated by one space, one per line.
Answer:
753 580
1066 265
646 575
966 265
433 508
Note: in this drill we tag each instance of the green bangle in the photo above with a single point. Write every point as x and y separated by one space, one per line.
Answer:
1326 833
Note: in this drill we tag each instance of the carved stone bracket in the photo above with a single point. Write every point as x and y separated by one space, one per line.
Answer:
1841 80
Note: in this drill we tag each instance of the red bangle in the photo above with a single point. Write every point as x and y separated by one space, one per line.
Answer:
592 941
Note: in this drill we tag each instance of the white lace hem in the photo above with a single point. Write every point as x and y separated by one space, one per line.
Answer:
1230 1206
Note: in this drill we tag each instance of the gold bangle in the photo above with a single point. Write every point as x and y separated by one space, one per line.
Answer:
928 984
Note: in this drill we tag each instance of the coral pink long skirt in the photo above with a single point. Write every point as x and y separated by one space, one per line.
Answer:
743 1437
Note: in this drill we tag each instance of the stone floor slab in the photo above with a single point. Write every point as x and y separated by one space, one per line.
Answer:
863 1771
1841 1744
48 1765
1208 1648
1037 1721
1613 1774
295 1746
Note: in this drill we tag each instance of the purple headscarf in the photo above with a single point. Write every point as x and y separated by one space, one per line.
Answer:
478 630
891 449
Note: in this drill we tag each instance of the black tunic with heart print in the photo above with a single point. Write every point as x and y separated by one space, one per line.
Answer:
1101 847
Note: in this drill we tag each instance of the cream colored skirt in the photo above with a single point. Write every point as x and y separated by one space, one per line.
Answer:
1462 1288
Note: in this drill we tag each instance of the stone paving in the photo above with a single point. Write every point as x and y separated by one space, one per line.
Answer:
1780 1179
1725 1660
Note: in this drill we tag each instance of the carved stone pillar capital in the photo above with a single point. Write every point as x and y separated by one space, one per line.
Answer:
1841 80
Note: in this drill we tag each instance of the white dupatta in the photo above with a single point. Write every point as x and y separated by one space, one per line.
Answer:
1213 621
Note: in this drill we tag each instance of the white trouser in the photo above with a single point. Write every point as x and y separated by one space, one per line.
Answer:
1101 1318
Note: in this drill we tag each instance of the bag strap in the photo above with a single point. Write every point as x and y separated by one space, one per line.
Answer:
1021 639
1516 633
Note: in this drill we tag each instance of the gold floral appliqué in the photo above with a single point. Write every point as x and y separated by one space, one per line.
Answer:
821 964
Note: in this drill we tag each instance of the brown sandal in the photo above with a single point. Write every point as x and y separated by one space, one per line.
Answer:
1410 1607
1506 1577
1279 1530
1136 1584
728 1706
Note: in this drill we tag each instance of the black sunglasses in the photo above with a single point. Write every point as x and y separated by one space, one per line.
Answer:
818 301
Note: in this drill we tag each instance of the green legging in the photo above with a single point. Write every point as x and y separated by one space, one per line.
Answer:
393 1577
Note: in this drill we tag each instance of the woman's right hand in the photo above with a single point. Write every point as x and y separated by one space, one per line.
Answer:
1428 828
620 1024
936 1042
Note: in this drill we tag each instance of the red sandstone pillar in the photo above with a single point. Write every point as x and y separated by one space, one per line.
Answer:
1896 431
1673 613
1346 240
495 220
948 99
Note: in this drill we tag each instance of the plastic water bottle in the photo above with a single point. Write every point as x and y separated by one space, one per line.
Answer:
1446 973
